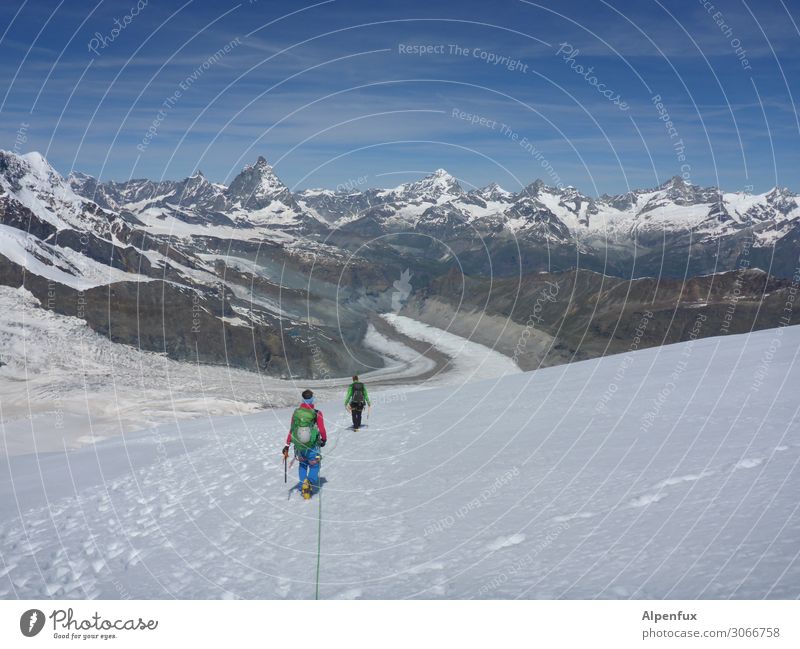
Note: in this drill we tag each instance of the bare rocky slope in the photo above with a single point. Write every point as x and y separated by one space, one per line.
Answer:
547 319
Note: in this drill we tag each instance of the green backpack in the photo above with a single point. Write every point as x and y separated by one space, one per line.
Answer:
305 434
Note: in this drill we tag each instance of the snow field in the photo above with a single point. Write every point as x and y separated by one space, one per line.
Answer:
519 486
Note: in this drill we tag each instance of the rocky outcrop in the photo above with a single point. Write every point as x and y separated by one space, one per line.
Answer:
579 315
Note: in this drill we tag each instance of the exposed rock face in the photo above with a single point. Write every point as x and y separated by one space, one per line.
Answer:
578 315
189 325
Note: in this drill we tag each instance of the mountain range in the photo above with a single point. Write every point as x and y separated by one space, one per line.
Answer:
675 229
256 275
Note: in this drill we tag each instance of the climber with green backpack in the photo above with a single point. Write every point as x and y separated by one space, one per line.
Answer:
355 400
307 434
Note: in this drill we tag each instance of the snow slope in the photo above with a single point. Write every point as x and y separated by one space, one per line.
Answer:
63 385
42 190
61 265
666 473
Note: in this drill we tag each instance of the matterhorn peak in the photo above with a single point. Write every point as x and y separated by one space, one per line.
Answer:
261 163
257 186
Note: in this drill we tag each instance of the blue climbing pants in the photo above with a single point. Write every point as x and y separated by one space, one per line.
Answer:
309 467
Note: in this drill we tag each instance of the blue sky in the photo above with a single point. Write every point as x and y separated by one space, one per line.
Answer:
329 93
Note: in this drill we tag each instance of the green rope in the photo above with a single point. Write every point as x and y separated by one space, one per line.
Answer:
319 525
319 540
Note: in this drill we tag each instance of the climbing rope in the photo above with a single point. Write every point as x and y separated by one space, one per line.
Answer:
319 541
319 520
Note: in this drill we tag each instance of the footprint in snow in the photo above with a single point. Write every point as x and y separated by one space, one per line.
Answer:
748 463
669 482
440 588
283 587
646 499
572 517
620 591
505 542
425 567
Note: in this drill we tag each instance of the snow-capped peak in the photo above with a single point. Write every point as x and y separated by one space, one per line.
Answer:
31 165
679 191
78 178
534 188
782 199
493 192
780 193
437 187
31 180
257 186
260 163
676 182
39 164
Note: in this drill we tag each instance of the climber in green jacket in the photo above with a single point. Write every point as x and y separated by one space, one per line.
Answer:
355 400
